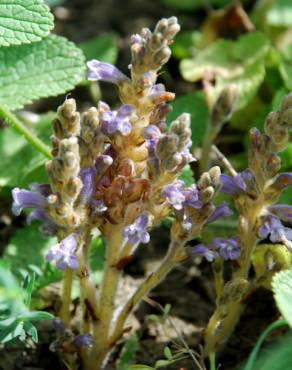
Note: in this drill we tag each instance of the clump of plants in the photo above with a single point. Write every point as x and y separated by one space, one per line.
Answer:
118 173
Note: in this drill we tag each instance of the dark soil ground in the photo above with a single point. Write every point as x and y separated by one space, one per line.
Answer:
188 288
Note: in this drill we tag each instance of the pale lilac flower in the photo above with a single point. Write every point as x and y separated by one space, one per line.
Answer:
100 71
232 185
137 232
27 199
283 211
173 194
83 340
151 135
204 251
58 325
113 121
63 253
49 227
98 206
220 211
87 176
229 249
275 230
191 195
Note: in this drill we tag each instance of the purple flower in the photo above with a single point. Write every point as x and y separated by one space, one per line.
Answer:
27 199
83 340
99 71
179 197
63 253
49 227
87 176
220 211
232 185
229 249
113 121
58 325
151 135
191 195
137 232
283 211
173 193
273 228
98 206
204 251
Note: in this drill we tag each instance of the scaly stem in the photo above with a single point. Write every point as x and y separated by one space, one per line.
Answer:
106 304
227 314
66 297
175 254
15 123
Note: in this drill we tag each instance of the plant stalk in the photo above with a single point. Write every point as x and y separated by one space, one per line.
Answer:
15 123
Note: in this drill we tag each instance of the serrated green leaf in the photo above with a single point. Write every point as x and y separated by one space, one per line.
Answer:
239 62
285 66
282 288
280 14
24 21
195 104
103 47
186 44
49 67
128 352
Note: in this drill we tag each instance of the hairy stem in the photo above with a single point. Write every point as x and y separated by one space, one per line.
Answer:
227 313
15 123
64 313
111 276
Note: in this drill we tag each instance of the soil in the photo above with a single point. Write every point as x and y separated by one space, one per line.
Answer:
188 288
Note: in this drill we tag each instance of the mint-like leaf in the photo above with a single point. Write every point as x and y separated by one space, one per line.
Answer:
24 21
239 62
282 287
49 67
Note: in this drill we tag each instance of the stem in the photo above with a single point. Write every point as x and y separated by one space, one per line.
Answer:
225 162
106 305
212 360
175 254
14 122
228 312
66 297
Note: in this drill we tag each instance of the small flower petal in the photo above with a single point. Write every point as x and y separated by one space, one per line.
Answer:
100 71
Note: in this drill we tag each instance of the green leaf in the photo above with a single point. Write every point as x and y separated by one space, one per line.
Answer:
162 363
28 286
280 14
31 330
195 104
239 62
14 330
285 66
129 350
49 67
20 163
102 47
282 287
168 354
36 316
24 21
